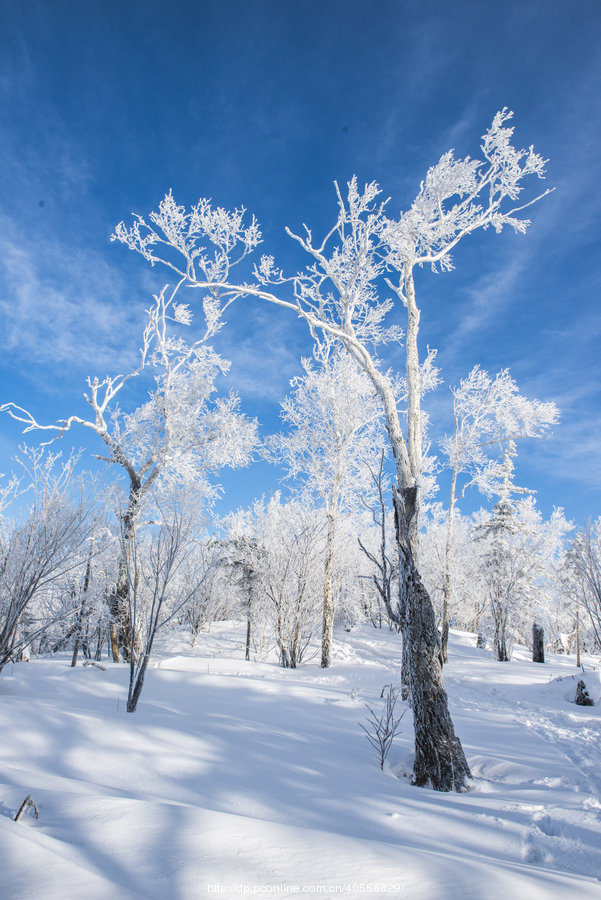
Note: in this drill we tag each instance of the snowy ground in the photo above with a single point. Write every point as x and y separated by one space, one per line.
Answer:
243 779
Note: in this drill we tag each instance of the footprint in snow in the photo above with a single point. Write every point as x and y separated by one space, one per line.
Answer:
531 852
546 824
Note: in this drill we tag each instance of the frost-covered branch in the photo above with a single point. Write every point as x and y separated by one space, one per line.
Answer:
460 196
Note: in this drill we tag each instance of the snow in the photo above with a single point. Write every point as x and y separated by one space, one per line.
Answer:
239 778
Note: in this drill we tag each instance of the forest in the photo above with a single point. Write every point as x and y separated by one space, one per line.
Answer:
300 497
98 560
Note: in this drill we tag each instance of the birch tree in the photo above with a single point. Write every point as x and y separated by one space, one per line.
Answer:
334 423
339 292
180 435
377 550
282 545
581 577
41 548
161 581
488 413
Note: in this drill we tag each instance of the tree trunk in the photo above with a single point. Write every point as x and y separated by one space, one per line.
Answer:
439 757
501 648
121 627
538 643
136 684
500 616
248 631
414 399
446 600
81 616
99 642
328 589
119 600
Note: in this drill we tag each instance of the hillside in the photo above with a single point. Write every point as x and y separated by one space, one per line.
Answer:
237 778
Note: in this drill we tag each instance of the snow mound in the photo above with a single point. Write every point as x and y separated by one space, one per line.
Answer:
567 685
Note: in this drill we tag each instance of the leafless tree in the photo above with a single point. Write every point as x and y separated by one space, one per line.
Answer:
41 547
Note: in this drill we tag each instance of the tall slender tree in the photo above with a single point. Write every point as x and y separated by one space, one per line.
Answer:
339 293
179 435
334 422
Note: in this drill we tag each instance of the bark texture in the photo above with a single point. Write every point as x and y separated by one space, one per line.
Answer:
439 757
122 637
538 643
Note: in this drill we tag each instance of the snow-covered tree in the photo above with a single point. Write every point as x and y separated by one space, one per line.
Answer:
469 592
211 599
488 413
340 293
334 423
516 549
282 545
581 578
161 581
243 558
179 436
90 617
378 546
41 549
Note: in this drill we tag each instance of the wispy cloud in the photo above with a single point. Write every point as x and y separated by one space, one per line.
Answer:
265 345
60 311
481 304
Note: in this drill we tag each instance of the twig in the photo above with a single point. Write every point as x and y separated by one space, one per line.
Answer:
91 662
25 807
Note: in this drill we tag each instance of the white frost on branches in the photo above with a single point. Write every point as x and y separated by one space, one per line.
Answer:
207 242
489 412
459 196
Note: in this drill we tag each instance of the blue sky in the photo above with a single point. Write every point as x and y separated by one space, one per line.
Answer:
264 103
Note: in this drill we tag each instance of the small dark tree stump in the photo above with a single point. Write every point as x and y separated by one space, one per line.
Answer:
538 643
582 695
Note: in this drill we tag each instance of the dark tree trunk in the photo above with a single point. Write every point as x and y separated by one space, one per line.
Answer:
406 661
137 669
122 639
82 614
538 643
100 635
583 697
501 651
444 635
502 654
248 632
136 684
439 757
121 633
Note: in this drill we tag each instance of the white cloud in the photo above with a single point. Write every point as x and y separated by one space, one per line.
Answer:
62 310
